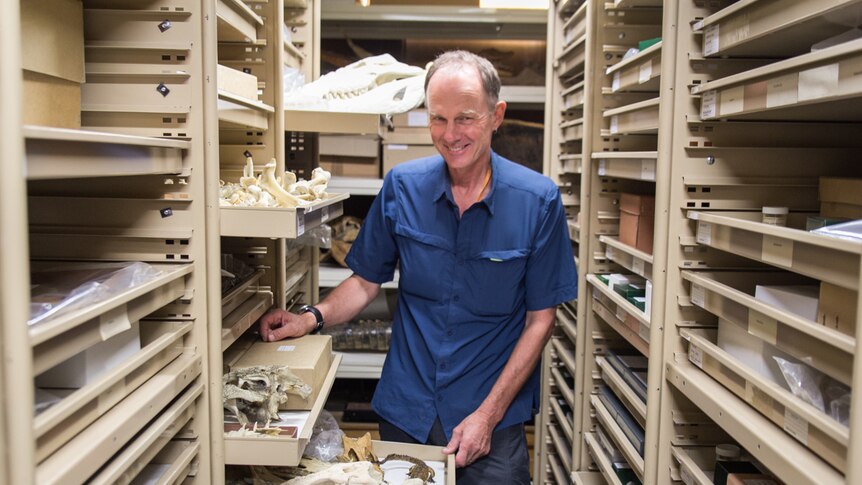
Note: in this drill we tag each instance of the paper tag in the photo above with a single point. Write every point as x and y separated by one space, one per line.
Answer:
324 214
621 313
638 266
645 72
567 103
396 146
710 40
417 118
609 252
286 348
782 90
648 169
698 295
732 100
602 168
777 251
695 355
796 426
818 82
704 233
615 123
114 322
763 327
759 399
615 83
643 332
707 104
300 223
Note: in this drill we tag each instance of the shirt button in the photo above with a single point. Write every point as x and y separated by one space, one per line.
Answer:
443 365
450 333
457 298
461 261
439 398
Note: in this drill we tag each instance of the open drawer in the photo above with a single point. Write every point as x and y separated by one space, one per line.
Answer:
279 222
280 451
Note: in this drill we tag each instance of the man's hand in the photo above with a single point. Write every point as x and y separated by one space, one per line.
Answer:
471 439
280 324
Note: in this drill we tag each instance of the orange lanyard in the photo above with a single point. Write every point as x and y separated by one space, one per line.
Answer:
485 185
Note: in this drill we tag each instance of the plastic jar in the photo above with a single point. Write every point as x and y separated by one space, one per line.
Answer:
727 452
776 216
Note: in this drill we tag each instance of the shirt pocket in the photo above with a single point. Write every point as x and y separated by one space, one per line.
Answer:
496 281
423 257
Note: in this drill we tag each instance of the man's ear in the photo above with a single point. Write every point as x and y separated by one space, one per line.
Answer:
499 113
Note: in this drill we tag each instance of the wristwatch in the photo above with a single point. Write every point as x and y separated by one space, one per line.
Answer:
317 316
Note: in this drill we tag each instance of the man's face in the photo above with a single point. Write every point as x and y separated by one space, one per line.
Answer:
461 121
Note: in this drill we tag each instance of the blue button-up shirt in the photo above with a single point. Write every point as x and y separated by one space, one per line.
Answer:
465 287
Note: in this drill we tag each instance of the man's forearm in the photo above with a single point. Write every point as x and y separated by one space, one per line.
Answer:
346 300
528 351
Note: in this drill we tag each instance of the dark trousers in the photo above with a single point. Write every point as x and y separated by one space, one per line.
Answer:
507 463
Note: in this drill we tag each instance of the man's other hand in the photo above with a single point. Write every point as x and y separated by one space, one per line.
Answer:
471 439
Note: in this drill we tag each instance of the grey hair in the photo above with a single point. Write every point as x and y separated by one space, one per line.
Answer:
460 58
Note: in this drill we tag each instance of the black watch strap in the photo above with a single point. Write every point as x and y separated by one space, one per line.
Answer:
317 316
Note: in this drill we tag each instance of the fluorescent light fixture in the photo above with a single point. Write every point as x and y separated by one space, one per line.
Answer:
521 4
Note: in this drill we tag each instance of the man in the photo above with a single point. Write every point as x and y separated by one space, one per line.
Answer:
484 259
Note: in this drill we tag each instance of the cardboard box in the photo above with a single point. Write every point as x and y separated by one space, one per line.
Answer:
393 154
52 77
636 221
236 82
408 136
349 146
416 118
841 197
87 366
351 166
751 352
307 357
837 308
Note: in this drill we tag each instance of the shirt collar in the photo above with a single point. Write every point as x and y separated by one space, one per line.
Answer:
444 187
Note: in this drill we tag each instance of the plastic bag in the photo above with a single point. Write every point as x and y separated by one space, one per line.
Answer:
319 237
60 289
325 443
292 78
821 391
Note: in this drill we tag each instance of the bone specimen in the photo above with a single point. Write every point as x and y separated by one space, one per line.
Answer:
253 394
378 84
354 473
266 190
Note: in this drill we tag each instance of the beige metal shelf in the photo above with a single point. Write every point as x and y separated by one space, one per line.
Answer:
728 295
57 339
333 122
639 339
638 262
572 130
568 323
573 97
618 299
56 153
692 461
760 28
601 460
564 423
557 470
88 450
572 59
825 258
355 185
627 165
174 464
574 231
564 451
566 355
575 26
588 478
279 222
241 292
637 73
634 3
236 21
618 436
331 276
821 85
567 393
235 323
360 365
822 434
279 451
518 94
570 163
789 460
236 112
62 421
129 463
623 391
636 118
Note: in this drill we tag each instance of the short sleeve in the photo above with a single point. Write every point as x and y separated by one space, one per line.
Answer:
374 254
552 277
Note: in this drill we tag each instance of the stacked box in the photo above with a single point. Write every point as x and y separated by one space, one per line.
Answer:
637 214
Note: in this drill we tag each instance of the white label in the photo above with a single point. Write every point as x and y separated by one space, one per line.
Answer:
643 332
704 233
818 82
777 251
707 104
615 83
695 355
638 266
300 223
609 252
602 168
796 426
567 103
286 348
396 146
645 72
324 214
417 118
782 90
762 327
621 313
615 124
732 100
114 322
698 295
710 40
648 169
